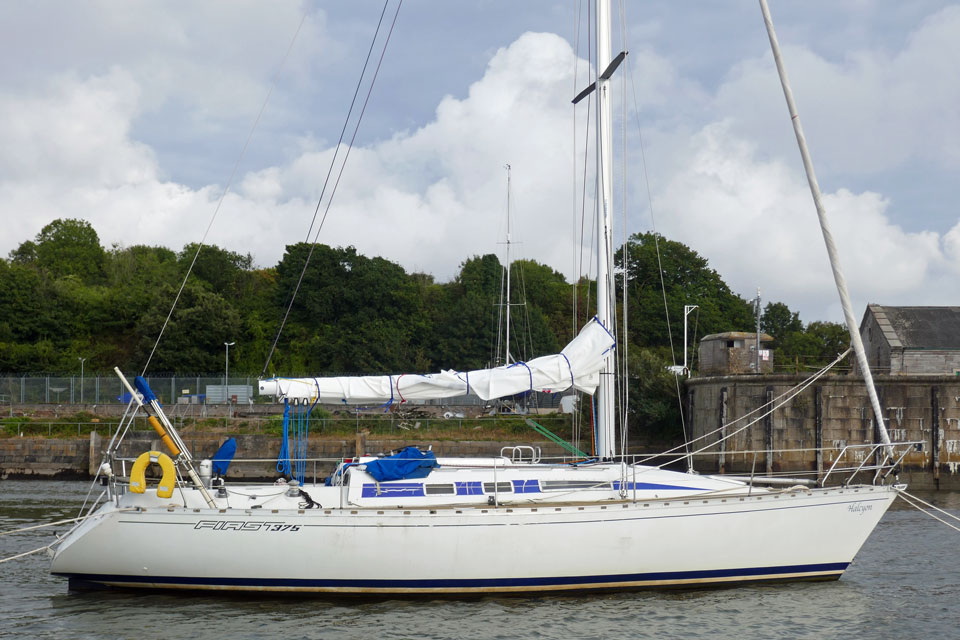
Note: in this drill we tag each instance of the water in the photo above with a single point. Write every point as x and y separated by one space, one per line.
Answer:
904 584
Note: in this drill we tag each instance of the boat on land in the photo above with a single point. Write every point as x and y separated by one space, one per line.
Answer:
411 523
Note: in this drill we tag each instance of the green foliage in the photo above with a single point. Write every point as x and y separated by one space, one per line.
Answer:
817 345
654 405
778 321
66 248
687 279
63 297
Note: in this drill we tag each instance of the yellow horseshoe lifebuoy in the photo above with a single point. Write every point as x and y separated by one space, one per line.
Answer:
138 481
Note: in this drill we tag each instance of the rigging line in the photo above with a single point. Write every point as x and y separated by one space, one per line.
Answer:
683 425
574 268
573 182
583 197
904 496
653 221
226 189
346 121
343 164
625 342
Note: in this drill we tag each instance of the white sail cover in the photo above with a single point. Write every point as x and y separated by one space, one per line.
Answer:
578 365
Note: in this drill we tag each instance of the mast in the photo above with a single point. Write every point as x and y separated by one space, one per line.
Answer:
606 437
506 348
838 277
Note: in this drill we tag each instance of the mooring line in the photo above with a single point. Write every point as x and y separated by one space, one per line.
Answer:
27 553
53 524
48 524
909 499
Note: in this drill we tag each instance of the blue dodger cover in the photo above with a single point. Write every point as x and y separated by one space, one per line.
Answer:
408 463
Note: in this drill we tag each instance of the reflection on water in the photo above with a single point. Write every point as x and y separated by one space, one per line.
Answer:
905 584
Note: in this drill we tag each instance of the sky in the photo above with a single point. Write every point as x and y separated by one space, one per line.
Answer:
134 117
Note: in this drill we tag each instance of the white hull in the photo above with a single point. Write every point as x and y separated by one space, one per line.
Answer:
681 541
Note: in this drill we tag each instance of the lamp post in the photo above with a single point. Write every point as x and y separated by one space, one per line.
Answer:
226 372
81 378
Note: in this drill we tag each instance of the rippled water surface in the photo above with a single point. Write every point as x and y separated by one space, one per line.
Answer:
904 584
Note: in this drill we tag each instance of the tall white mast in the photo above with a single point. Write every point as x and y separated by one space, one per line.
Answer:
840 281
506 348
606 436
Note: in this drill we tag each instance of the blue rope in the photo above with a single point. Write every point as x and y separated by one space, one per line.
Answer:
283 459
303 432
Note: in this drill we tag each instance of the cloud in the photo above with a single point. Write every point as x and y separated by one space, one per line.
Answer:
724 172
874 110
431 197
755 220
427 198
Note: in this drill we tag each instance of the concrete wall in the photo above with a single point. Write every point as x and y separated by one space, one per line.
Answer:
80 457
834 413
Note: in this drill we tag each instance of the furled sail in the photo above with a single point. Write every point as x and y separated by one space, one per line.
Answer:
578 365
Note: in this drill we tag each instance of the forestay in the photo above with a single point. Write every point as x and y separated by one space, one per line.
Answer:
578 365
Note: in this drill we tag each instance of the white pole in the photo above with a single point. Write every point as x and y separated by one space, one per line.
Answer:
757 348
226 372
606 438
841 282
506 351
687 310
81 378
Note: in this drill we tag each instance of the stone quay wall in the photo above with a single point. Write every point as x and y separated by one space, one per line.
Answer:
832 413
79 458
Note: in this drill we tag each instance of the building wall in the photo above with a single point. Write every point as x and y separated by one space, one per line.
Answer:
876 346
716 358
927 362
845 419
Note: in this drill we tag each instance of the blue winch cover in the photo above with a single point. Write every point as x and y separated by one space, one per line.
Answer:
224 455
408 463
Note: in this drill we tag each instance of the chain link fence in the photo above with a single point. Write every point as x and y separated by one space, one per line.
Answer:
188 390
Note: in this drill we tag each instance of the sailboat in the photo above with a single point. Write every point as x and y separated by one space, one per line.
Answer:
412 523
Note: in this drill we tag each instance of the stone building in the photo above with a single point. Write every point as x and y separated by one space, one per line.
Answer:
734 352
915 352
912 340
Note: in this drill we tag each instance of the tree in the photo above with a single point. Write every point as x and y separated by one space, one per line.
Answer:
814 347
654 407
193 340
352 313
686 279
218 269
778 321
68 247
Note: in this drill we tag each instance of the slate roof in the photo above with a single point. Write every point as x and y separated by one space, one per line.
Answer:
919 327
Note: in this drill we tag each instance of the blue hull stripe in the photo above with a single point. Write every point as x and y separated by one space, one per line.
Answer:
563 582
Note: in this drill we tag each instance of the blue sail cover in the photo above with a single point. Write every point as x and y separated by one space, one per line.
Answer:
224 455
408 463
